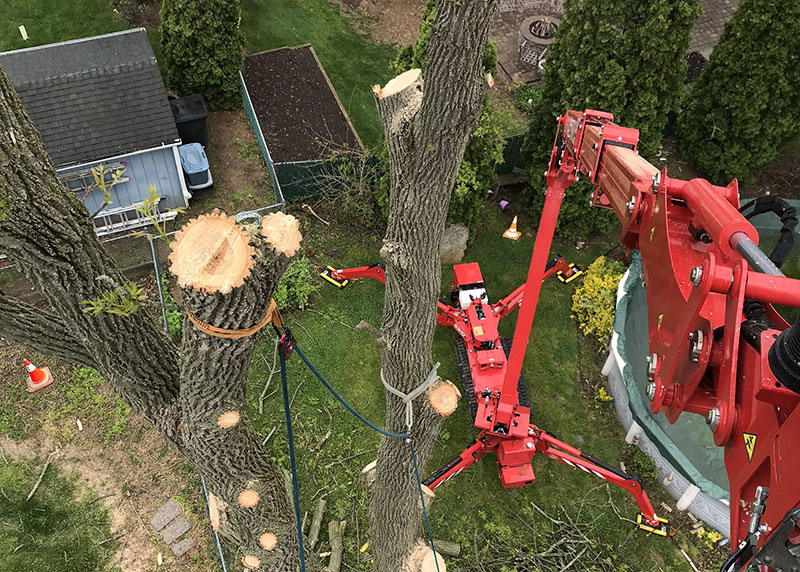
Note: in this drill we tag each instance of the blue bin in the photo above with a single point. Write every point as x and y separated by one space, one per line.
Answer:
195 166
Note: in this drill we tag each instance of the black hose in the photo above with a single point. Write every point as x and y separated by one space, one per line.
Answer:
788 215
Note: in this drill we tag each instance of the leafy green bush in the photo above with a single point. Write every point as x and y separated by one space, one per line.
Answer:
297 285
624 57
527 97
202 48
594 301
639 463
746 103
174 317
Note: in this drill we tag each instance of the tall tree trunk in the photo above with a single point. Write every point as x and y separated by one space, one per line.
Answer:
218 438
427 127
189 393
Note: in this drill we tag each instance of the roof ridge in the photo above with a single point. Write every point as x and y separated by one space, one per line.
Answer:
75 41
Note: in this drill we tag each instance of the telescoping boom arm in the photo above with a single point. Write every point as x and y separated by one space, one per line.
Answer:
718 348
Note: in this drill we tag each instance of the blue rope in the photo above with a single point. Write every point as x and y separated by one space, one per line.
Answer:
290 435
341 399
351 409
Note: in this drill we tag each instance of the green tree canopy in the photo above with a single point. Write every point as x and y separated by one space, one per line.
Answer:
624 57
746 103
202 48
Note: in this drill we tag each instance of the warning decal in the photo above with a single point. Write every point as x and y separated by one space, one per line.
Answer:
750 444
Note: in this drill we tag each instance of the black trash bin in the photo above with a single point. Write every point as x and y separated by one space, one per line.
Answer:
190 115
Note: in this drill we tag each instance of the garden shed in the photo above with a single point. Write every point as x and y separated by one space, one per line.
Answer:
101 101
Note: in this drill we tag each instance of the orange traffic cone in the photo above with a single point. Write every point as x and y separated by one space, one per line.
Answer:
512 232
39 378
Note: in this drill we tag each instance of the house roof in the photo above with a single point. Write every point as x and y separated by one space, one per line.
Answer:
93 98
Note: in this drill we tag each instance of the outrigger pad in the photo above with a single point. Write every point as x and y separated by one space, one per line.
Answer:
328 275
576 271
662 529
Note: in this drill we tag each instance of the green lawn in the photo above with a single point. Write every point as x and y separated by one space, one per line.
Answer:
49 21
472 508
351 60
54 530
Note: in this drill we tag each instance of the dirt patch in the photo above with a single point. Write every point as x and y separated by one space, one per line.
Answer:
241 181
298 111
781 178
386 21
140 13
131 480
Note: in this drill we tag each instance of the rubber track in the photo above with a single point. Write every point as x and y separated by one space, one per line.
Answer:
466 377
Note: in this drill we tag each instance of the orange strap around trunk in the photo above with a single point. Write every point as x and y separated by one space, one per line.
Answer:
271 315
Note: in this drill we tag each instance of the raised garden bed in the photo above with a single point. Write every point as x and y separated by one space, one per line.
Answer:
300 115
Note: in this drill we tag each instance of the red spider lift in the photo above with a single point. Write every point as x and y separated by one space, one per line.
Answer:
718 347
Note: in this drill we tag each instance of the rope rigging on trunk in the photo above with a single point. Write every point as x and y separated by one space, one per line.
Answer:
286 346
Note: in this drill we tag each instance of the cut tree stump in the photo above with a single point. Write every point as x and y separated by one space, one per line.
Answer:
211 254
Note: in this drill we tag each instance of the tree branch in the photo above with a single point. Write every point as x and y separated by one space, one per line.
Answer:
31 327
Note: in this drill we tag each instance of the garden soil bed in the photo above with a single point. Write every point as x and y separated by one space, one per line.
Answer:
300 115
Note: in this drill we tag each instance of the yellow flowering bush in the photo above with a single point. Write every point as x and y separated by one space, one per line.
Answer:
709 537
595 299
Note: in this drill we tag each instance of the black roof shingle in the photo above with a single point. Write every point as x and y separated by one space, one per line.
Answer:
93 98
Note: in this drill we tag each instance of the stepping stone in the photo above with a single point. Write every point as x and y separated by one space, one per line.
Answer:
182 547
166 514
175 529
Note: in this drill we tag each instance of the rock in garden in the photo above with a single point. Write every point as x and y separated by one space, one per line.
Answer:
454 244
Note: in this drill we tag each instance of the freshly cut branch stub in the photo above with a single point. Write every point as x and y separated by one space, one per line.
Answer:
283 232
268 541
211 254
443 397
216 510
421 559
228 419
398 84
248 498
251 561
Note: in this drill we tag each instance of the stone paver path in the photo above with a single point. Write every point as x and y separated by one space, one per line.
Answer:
171 524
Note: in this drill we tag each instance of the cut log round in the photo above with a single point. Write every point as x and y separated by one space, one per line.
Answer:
444 396
211 254
429 564
283 232
336 538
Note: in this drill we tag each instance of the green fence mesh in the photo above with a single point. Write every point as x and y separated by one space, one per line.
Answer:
512 155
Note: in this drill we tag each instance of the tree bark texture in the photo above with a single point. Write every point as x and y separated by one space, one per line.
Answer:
214 382
427 129
49 235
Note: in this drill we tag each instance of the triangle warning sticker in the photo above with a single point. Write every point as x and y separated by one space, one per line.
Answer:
749 444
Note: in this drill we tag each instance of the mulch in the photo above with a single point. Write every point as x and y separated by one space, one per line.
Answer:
300 117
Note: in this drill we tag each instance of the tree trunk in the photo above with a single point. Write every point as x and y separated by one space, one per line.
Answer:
427 128
210 258
195 395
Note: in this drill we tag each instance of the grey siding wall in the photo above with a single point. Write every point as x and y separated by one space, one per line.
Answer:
155 167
